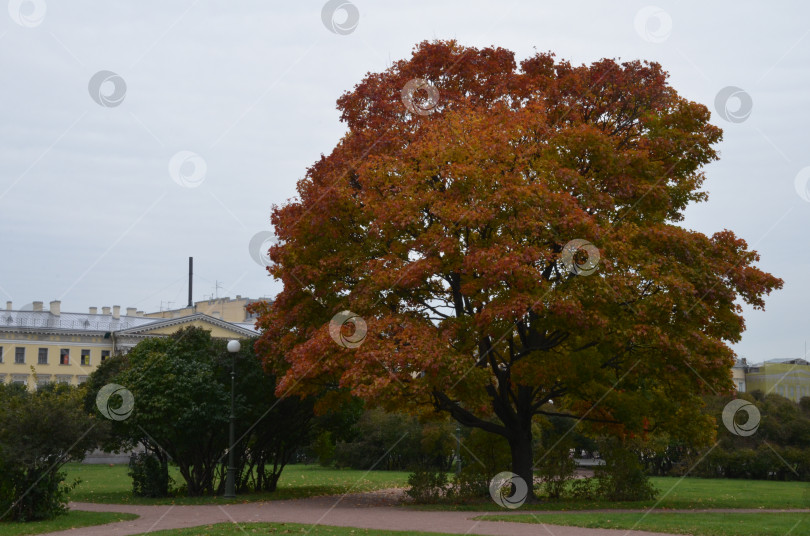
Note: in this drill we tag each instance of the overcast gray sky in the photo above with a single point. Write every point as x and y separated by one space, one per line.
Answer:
239 97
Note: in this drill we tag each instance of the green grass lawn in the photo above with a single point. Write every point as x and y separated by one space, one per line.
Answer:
228 529
110 484
687 493
71 520
102 483
695 524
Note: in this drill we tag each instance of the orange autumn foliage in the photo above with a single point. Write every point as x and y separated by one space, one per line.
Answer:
446 231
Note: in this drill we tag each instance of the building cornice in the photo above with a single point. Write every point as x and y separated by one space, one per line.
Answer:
169 322
46 331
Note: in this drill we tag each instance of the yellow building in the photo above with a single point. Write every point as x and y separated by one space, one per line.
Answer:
228 309
738 375
788 377
39 346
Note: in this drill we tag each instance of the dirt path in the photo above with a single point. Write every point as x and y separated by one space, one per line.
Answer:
374 510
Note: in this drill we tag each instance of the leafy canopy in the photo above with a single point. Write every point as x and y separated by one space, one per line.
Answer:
445 228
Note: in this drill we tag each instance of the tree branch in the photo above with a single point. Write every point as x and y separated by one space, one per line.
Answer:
442 402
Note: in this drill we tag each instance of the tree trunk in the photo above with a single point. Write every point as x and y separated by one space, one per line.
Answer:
164 475
523 459
516 428
272 481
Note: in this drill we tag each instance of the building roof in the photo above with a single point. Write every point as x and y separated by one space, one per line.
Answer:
72 322
788 361
104 323
251 326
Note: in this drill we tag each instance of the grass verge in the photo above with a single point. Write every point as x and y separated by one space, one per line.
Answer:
228 529
110 484
71 520
695 524
686 493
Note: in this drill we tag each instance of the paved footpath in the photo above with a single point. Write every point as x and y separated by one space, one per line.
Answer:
374 510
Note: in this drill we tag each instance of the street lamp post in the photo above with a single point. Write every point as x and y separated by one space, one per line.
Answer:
230 493
458 450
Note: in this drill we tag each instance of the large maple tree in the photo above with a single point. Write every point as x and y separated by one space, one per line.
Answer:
508 236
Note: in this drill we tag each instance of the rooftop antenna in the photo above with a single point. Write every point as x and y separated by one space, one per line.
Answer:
217 286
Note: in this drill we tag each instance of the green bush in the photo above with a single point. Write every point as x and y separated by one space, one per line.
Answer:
34 494
484 455
622 478
38 434
415 443
427 485
150 477
324 449
472 483
556 468
583 488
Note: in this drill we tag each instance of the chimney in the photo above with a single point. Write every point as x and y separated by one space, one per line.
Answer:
105 310
131 311
94 310
116 312
190 279
37 306
8 306
139 313
56 307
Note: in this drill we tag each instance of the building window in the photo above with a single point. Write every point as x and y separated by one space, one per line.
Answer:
1 354
104 355
64 356
19 379
42 358
85 357
19 355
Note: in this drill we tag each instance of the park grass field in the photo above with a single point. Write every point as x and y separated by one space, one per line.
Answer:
72 520
697 524
110 484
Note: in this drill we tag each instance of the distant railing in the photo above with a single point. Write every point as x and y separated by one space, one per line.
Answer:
71 324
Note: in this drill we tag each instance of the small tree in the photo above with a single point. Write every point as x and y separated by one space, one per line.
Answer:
181 387
180 411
